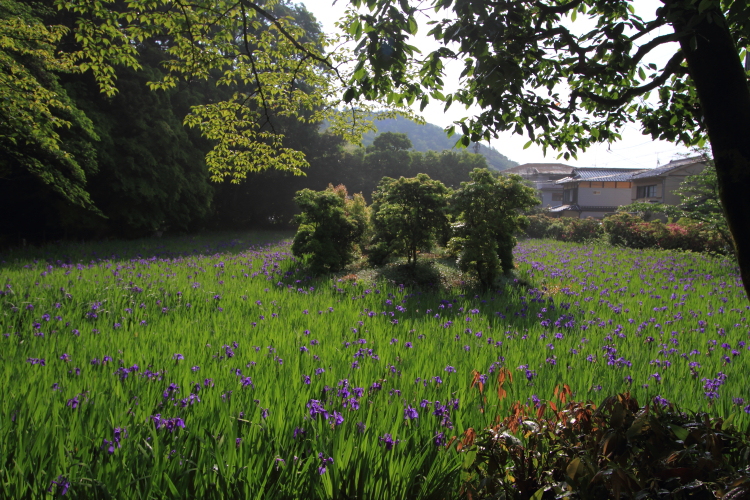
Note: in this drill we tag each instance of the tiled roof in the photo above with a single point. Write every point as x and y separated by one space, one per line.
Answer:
623 177
591 173
540 168
665 169
601 174
583 208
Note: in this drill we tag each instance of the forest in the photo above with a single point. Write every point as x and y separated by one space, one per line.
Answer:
133 168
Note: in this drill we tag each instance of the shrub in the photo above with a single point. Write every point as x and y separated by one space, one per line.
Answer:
581 451
406 214
326 233
355 206
542 226
564 228
630 231
488 211
580 230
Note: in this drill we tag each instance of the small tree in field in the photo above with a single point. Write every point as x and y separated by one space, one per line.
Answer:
355 207
488 214
326 232
406 215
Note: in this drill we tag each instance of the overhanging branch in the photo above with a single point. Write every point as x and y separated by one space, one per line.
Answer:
671 68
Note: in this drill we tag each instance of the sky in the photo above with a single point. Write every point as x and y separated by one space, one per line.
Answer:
635 150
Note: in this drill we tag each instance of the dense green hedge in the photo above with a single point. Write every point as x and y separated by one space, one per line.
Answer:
629 231
564 228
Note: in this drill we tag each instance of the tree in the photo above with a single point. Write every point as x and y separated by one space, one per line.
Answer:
151 170
326 233
390 141
267 55
387 156
406 215
263 48
530 72
449 166
488 215
42 133
699 201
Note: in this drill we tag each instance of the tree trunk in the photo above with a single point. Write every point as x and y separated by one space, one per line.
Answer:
720 81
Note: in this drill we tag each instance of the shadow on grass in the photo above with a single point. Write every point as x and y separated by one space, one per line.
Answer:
431 273
168 247
428 274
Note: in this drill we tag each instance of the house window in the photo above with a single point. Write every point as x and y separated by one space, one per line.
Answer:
557 196
646 191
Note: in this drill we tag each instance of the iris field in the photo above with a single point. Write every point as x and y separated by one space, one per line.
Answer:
220 369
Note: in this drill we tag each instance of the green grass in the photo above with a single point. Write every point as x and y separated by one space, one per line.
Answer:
200 296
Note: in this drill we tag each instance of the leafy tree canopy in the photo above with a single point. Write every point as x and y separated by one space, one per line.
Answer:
488 214
530 71
252 45
327 233
41 130
269 56
390 141
407 214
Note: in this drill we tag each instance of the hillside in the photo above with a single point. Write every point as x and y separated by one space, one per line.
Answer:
429 137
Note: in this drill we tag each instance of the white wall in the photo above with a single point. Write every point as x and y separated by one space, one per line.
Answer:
609 197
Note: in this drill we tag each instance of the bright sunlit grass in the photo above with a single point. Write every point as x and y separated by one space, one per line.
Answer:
220 369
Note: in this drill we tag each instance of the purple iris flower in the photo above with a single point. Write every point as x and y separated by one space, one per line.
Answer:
168 423
410 413
62 485
388 441
439 439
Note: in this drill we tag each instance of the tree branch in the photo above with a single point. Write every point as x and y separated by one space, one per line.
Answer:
558 9
275 21
254 69
648 47
672 67
650 26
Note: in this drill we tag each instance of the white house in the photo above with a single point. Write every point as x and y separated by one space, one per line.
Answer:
595 192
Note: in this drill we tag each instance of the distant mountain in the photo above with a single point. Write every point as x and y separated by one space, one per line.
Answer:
429 137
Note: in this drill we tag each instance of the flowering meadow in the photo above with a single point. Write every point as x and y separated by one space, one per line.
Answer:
226 371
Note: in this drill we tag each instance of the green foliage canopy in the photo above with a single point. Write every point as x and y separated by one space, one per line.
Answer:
407 213
488 215
42 132
269 57
326 233
263 55
151 170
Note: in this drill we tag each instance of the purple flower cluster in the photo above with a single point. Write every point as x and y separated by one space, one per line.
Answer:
119 434
324 462
169 424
